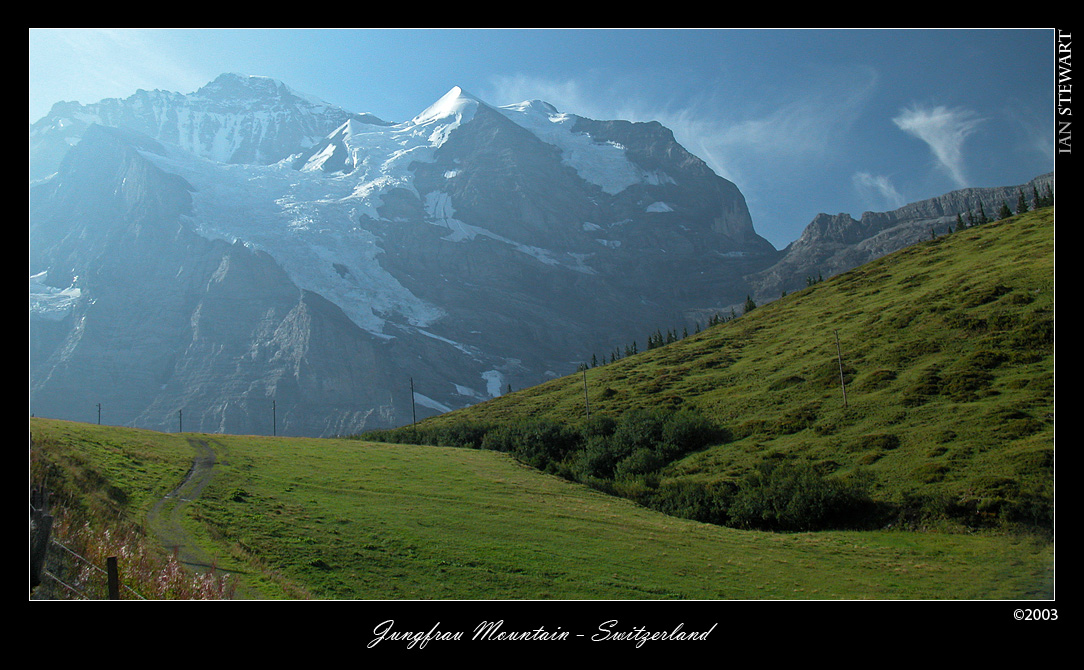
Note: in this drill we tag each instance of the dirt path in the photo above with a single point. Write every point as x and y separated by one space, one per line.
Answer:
164 518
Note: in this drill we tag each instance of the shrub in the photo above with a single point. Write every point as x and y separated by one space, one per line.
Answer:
687 431
461 434
637 429
644 441
598 459
795 497
640 462
704 502
541 444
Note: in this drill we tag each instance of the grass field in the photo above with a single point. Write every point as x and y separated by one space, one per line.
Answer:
947 357
336 519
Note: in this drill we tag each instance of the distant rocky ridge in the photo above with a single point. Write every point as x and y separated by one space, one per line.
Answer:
831 244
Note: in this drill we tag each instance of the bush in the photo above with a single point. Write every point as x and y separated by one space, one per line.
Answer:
541 444
795 497
637 429
640 462
461 434
687 431
597 460
620 456
704 502
644 441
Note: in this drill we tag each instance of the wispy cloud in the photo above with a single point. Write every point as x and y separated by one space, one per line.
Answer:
91 64
944 130
742 135
877 190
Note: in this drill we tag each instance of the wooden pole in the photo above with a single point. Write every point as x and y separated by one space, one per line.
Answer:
413 413
114 577
41 526
586 402
839 358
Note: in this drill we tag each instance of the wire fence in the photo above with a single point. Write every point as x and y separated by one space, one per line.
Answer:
72 560
90 580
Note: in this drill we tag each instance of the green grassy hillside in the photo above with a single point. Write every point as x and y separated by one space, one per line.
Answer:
947 354
311 518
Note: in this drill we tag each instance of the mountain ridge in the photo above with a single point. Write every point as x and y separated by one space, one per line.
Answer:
831 244
204 122
471 249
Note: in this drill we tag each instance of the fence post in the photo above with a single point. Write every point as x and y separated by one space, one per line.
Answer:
114 577
41 526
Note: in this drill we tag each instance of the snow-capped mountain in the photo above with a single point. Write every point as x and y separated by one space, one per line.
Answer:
233 119
199 257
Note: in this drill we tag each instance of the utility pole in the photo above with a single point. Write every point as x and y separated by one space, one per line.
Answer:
99 414
274 420
180 421
586 401
839 358
413 413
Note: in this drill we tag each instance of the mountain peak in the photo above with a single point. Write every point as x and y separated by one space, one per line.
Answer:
533 106
455 103
236 87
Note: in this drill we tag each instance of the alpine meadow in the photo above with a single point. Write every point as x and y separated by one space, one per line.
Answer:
619 335
886 433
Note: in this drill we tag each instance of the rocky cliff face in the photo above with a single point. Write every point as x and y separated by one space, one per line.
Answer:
170 328
831 244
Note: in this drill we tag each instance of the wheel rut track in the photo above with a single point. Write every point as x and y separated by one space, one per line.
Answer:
164 520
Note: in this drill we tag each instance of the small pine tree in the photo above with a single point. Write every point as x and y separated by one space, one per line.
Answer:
1005 212
749 305
1021 203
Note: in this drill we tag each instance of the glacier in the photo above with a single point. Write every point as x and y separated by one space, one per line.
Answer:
310 220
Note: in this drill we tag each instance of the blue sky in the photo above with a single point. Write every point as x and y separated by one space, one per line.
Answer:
803 121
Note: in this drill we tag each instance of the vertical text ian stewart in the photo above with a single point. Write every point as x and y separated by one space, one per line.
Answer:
1065 91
